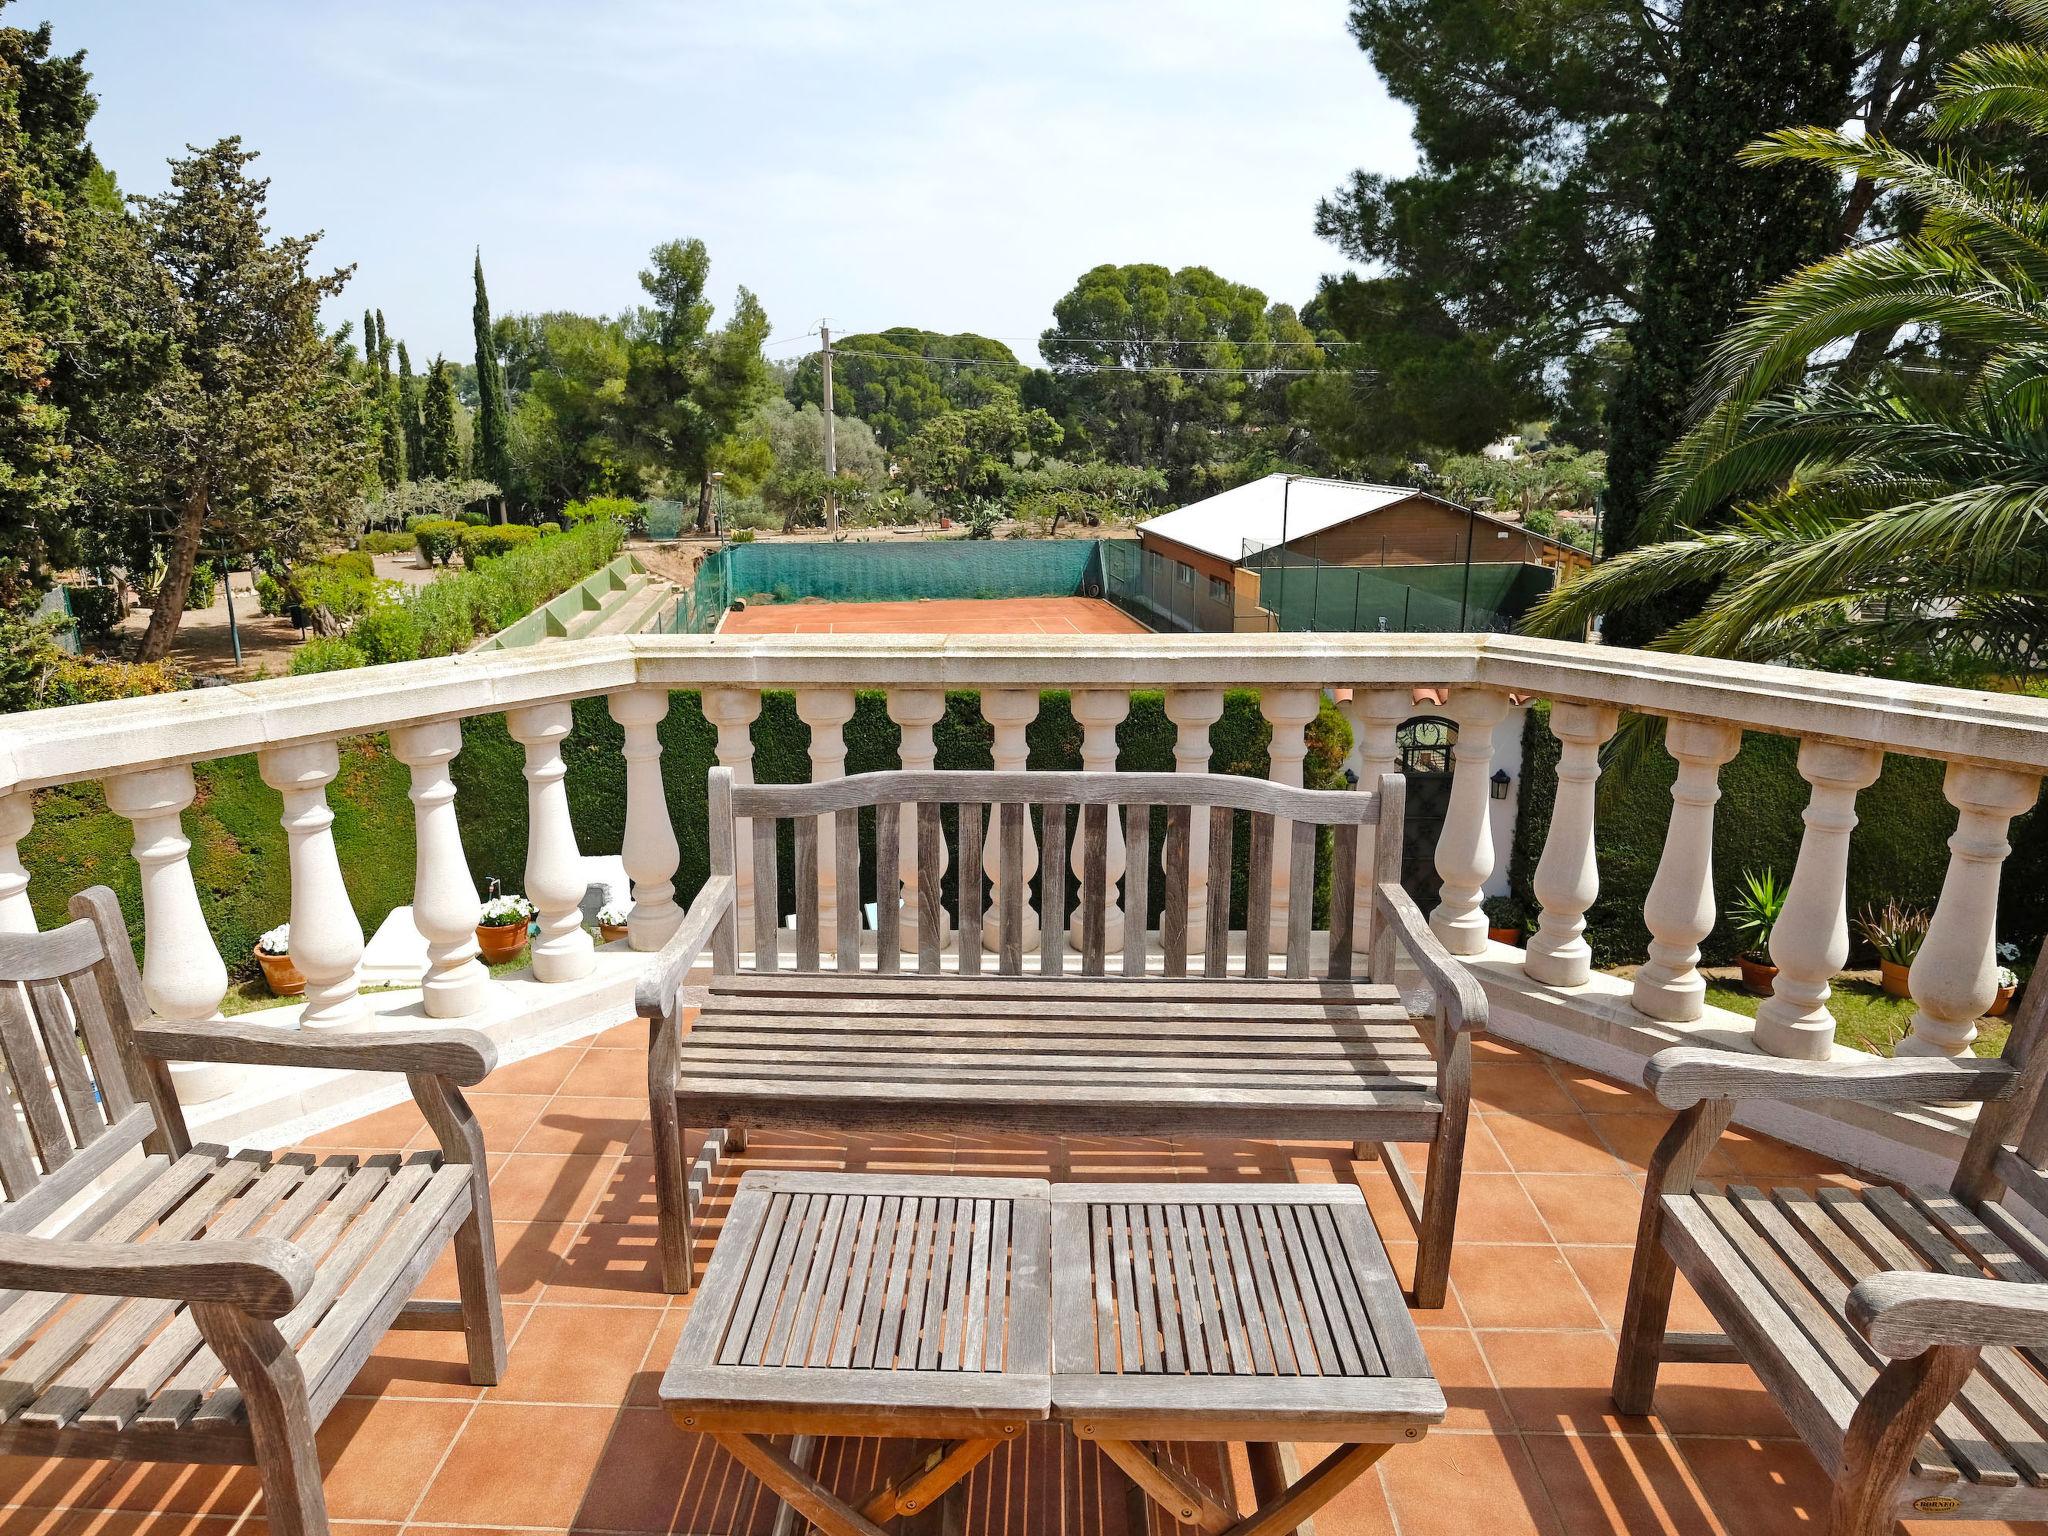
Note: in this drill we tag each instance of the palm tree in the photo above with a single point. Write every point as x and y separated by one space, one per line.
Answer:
1891 517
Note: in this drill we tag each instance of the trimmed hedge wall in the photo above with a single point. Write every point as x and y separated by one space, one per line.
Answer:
1899 848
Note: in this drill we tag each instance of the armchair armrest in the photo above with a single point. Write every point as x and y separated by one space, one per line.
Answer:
1685 1075
655 997
1903 1313
264 1276
463 1056
1457 990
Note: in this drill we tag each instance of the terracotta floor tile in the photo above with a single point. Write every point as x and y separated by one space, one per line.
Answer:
519 1464
1757 1156
1587 1207
422 1362
386 1130
573 1123
504 1117
176 1488
626 1192
1519 1087
527 1254
629 1036
1456 1485
536 1074
610 1264
1717 1400
576 1355
379 1455
668 1331
1551 1144
1604 1095
608 1074
1519 1286
1557 1381
653 1477
1604 1273
53 1482
1759 1487
1632 1138
1461 1370
1626 1485
1492 1207
547 1186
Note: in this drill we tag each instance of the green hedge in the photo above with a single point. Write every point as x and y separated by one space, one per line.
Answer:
1899 848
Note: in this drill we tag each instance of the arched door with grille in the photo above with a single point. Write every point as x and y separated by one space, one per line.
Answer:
1428 751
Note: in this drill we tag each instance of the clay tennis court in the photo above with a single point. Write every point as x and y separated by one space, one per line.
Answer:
944 616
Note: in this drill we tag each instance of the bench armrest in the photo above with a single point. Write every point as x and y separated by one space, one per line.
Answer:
463 1056
655 997
264 1276
1457 990
1902 1312
1685 1075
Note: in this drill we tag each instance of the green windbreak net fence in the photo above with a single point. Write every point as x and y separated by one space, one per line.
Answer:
1303 593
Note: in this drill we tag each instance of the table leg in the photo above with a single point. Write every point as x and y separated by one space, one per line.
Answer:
1336 1472
803 1455
798 1488
1169 1487
929 1479
1275 1469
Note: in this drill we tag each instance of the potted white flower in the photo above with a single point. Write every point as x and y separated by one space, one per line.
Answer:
2008 980
611 919
274 954
501 930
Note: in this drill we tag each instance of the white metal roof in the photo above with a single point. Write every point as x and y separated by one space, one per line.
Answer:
1221 524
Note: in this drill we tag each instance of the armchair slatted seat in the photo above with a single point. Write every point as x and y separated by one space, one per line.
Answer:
1904 1332
1182 1042
165 1301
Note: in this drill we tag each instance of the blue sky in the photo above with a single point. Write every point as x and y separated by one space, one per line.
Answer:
953 164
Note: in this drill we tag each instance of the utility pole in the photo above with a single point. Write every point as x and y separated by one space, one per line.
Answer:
831 448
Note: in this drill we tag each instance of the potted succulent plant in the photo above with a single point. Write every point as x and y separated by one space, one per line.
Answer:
1896 932
274 954
1505 919
501 930
1753 917
2008 981
611 919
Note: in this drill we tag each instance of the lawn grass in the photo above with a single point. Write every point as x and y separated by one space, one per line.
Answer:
1865 1016
254 997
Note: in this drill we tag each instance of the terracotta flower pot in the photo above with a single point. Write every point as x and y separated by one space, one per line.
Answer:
1894 978
1505 935
1757 975
500 941
612 932
280 975
2000 1003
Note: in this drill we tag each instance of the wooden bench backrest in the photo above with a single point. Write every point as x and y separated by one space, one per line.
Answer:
77 1094
1071 807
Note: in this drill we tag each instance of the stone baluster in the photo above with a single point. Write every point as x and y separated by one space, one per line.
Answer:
17 816
183 978
1193 711
444 902
649 849
555 878
732 711
1099 711
1568 875
1375 716
1464 848
1955 976
826 711
914 711
1288 711
1009 713
327 936
1810 941
1679 911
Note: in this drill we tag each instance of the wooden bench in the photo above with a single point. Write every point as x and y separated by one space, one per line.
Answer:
1903 1332
161 1301
1172 1043
912 1307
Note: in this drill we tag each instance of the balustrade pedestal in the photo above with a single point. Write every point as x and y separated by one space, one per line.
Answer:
1679 911
649 850
1568 875
1464 849
1009 713
1099 711
17 817
915 711
1194 711
732 712
445 908
1375 716
555 879
327 936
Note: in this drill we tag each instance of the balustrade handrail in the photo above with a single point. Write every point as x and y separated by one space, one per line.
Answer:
84 741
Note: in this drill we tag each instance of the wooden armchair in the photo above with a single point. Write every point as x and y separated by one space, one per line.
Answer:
1903 1332
171 1302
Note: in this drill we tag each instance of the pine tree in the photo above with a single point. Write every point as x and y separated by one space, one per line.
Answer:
493 428
1719 233
440 453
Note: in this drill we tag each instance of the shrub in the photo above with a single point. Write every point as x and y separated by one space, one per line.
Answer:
199 592
741 536
437 539
336 590
271 595
480 544
385 542
355 561
94 613
475 517
82 680
629 515
389 631
326 654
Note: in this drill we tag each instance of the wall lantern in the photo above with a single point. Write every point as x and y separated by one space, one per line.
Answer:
1500 782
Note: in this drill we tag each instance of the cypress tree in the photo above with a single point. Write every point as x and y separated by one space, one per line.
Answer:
493 430
391 441
409 412
1720 232
439 450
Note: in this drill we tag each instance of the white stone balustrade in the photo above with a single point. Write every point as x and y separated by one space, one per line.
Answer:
649 850
555 879
1810 941
1464 849
1568 875
1375 716
826 711
327 936
183 977
915 711
1099 711
732 712
1955 975
1009 713
1288 711
1679 911
445 908
17 816
1193 711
